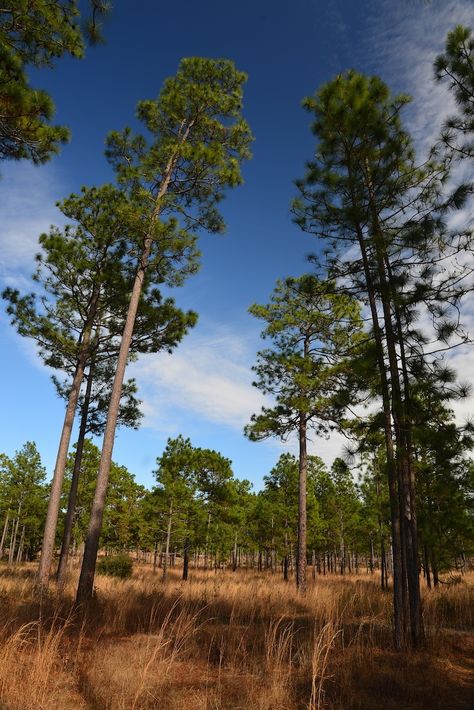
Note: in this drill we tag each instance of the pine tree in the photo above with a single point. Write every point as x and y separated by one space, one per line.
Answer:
85 278
35 34
23 500
312 328
364 190
456 68
198 139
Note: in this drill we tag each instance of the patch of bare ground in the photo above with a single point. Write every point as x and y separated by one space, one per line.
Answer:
229 641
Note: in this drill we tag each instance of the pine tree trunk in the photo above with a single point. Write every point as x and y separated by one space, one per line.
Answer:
408 478
11 554
86 579
47 548
4 534
167 545
234 554
301 555
342 549
71 504
427 567
398 577
383 566
434 568
185 559
20 546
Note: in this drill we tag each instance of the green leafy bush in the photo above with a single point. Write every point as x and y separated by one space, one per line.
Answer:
116 566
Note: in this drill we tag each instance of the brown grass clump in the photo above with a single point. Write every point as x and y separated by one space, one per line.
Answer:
229 641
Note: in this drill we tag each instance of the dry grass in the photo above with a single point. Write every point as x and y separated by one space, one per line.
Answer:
229 641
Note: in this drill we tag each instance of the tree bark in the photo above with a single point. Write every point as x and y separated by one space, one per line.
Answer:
234 553
47 549
86 579
20 546
4 534
11 554
71 504
185 559
301 556
399 588
167 544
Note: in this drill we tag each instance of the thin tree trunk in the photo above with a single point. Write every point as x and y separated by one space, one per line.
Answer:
186 559
86 579
342 549
11 541
427 567
20 546
234 554
301 556
11 554
71 504
409 482
47 548
398 577
168 538
383 566
4 534
206 549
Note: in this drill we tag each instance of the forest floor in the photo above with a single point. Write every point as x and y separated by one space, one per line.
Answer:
228 641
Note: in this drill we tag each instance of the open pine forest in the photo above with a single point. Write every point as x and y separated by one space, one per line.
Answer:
326 582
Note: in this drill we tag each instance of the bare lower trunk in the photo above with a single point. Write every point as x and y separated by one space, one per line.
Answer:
301 561
20 546
71 504
47 548
234 553
427 567
398 580
186 559
86 579
11 552
12 542
4 534
168 539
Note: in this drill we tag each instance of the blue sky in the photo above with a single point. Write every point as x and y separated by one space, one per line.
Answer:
288 49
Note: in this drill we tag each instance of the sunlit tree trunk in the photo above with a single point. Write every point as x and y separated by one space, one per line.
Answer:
168 539
71 504
4 534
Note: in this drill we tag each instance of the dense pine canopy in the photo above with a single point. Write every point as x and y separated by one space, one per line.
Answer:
359 345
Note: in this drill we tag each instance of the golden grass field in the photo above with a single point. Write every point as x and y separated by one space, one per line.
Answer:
228 641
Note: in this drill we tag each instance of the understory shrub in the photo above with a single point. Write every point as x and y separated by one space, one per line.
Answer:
116 566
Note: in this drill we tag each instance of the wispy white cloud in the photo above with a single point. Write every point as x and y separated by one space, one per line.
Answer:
405 38
208 376
27 208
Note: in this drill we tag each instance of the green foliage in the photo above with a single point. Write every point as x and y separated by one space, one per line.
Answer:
312 327
176 175
84 276
24 495
25 114
116 566
197 492
36 32
456 68
122 514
